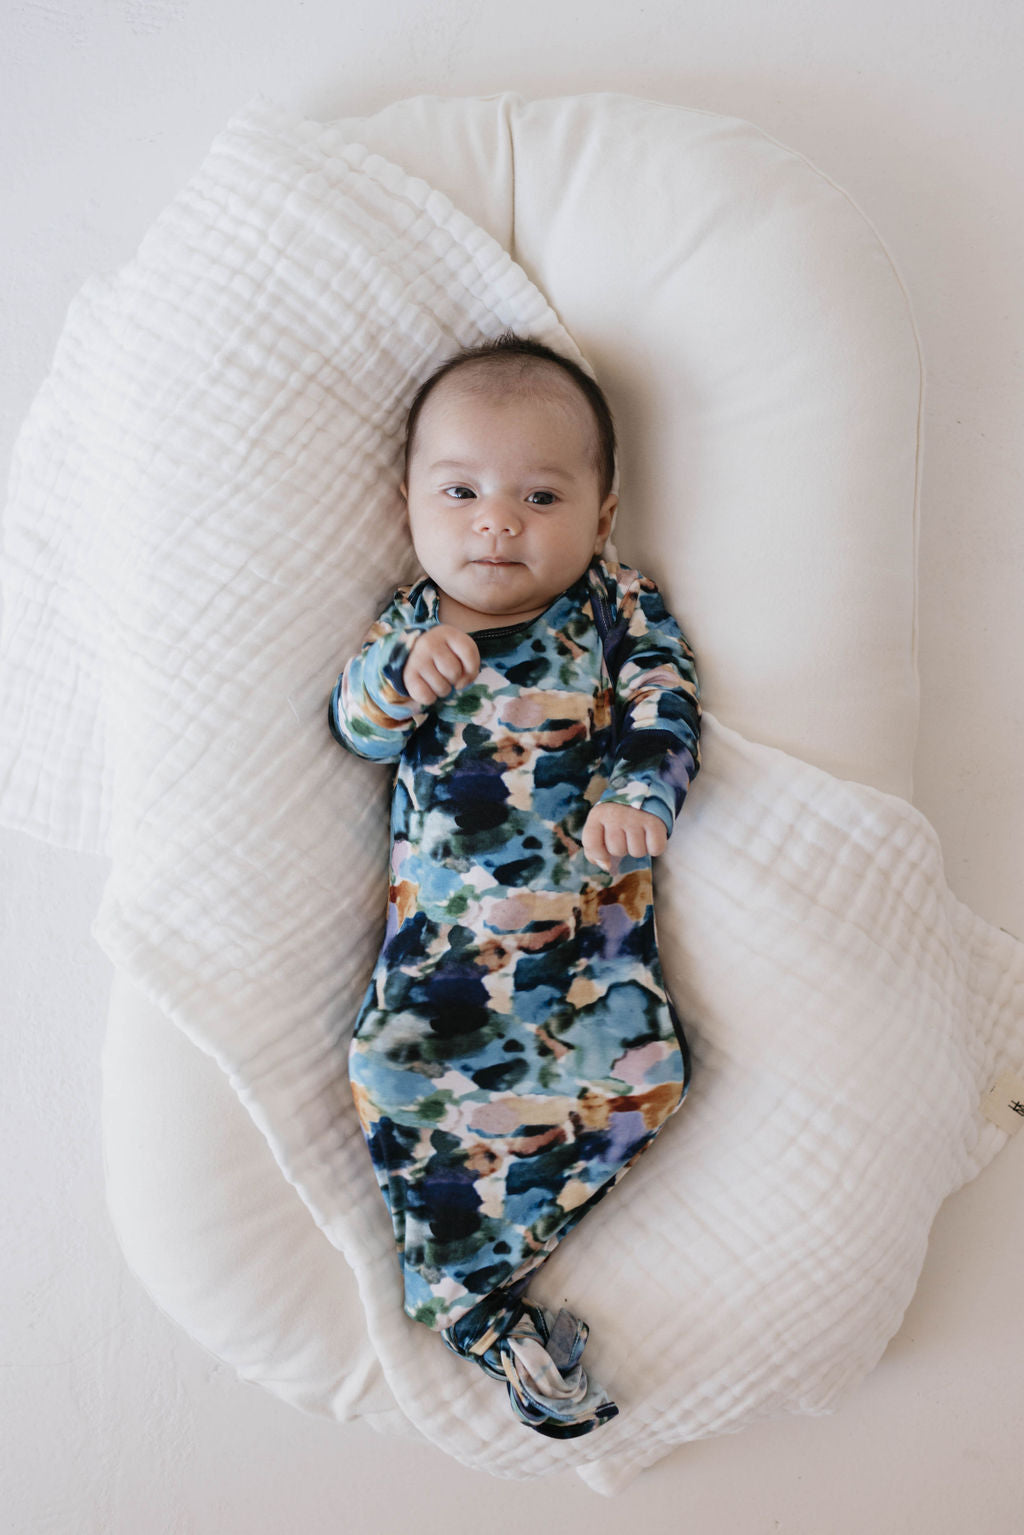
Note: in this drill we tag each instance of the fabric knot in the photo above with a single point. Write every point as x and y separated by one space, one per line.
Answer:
537 1353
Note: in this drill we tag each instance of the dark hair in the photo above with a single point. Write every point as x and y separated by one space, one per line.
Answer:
509 347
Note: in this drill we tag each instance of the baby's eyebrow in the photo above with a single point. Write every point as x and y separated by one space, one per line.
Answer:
543 471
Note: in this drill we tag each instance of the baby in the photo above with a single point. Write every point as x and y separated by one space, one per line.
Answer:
516 1049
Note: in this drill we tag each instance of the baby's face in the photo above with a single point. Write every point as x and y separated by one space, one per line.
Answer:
504 500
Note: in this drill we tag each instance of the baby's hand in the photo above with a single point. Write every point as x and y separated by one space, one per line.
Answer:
441 658
611 831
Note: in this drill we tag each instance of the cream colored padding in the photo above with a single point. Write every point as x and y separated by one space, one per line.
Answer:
220 1239
761 361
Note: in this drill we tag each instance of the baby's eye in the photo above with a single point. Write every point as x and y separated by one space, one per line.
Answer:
541 497
459 492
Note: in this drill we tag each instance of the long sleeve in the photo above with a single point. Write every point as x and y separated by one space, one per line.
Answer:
369 712
657 701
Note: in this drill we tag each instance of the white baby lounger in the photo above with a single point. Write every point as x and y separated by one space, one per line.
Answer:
759 354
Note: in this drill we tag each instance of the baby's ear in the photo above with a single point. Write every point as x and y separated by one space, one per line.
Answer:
604 521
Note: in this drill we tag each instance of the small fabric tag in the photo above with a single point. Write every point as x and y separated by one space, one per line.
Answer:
1003 1104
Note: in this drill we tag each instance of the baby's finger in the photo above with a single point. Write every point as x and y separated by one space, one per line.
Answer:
593 843
450 666
657 838
434 676
601 858
424 682
464 647
615 841
455 668
419 691
636 839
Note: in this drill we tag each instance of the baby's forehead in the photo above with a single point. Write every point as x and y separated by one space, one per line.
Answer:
497 380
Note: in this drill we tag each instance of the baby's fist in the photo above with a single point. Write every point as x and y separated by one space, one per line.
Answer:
440 659
611 831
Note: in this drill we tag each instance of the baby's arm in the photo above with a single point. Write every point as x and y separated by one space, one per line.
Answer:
658 753
403 667
370 711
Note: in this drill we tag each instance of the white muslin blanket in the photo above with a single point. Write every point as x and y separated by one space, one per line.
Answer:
203 520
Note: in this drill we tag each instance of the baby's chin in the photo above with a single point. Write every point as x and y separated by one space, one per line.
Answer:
507 597
482 605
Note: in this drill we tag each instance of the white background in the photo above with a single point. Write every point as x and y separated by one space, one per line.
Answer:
114 1422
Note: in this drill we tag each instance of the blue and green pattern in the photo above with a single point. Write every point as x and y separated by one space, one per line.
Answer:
516 1049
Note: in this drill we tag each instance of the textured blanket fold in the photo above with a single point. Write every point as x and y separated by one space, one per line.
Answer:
202 523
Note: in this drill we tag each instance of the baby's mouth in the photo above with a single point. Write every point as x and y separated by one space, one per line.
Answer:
496 560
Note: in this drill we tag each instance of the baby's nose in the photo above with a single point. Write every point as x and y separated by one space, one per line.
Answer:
496 515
